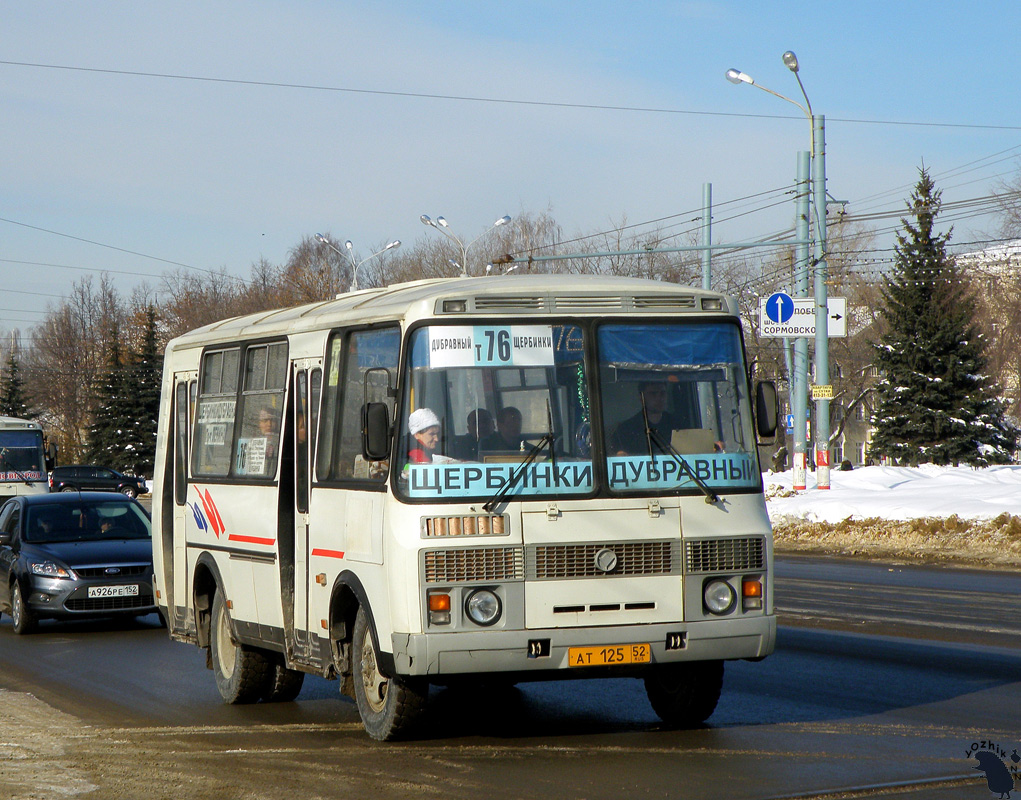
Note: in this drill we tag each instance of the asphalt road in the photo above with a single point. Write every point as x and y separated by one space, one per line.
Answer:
842 710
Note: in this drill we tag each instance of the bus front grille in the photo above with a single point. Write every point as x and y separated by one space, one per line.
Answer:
724 555
473 564
545 562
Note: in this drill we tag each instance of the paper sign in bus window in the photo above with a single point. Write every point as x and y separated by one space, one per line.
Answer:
490 346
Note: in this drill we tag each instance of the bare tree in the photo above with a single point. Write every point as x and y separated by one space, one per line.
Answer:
66 358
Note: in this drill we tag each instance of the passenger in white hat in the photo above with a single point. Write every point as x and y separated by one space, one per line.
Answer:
424 426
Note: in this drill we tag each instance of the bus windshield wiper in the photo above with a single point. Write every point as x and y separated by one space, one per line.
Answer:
11 468
652 437
504 492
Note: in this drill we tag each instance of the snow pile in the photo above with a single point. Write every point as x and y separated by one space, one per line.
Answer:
898 493
927 513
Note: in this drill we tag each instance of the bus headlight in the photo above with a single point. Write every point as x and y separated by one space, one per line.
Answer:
483 607
719 596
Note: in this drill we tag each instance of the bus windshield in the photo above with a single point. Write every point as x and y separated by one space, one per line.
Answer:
21 455
675 392
479 398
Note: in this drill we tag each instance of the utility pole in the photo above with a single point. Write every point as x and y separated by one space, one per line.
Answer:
707 235
799 384
822 341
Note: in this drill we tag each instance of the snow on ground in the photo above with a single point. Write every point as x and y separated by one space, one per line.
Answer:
928 514
898 493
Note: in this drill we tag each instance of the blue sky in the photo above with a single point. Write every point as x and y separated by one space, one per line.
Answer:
215 174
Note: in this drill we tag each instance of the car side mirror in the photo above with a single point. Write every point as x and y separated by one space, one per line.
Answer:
375 431
767 410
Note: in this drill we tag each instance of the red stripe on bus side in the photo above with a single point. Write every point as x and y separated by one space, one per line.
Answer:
236 537
327 553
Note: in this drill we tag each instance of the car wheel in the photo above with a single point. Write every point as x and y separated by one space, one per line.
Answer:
684 695
69 489
24 620
389 707
242 672
284 684
130 491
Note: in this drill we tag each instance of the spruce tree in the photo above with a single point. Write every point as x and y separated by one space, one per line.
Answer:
104 445
13 402
934 402
143 377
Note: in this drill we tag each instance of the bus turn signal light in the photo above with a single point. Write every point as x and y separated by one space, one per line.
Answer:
439 608
751 594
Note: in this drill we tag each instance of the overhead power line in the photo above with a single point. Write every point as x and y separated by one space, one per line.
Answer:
108 246
495 100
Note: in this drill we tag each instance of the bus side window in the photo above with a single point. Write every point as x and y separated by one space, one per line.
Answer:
262 406
370 351
301 440
215 411
315 392
181 444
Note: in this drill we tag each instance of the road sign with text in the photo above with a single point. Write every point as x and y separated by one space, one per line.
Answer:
781 316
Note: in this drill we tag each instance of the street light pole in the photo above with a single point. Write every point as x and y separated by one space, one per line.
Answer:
818 180
822 339
441 225
350 256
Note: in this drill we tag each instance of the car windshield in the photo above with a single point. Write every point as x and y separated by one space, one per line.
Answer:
478 401
673 392
85 521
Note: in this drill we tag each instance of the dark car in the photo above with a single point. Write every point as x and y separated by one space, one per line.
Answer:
73 556
89 478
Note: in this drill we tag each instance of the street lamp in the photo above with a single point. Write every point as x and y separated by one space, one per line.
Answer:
441 225
350 256
817 129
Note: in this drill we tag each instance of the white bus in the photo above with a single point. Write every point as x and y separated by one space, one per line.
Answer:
507 478
22 463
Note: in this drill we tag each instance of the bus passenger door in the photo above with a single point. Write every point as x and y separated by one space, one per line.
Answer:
307 383
185 387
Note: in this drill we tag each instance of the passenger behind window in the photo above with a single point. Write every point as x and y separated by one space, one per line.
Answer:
480 425
508 432
424 427
268 430
629 437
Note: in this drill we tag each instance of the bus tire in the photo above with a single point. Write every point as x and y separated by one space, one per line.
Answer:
284 683
389 707
242 673
684 695
21 616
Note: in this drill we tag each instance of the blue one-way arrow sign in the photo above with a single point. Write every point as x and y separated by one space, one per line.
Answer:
779 307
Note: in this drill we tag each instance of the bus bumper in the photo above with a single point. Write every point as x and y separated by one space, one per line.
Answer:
509 651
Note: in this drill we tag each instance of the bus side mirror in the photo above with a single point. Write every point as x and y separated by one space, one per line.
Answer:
766 409
375 431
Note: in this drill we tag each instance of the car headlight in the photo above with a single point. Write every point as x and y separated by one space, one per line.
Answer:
483 607
49 569
719 596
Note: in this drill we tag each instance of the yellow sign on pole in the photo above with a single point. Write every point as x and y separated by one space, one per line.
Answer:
822 392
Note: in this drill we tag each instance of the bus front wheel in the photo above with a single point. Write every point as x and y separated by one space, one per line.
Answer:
242 673
685 694
389 707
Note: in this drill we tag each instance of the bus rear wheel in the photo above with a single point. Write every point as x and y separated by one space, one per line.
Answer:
243 673
684 695
389 707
